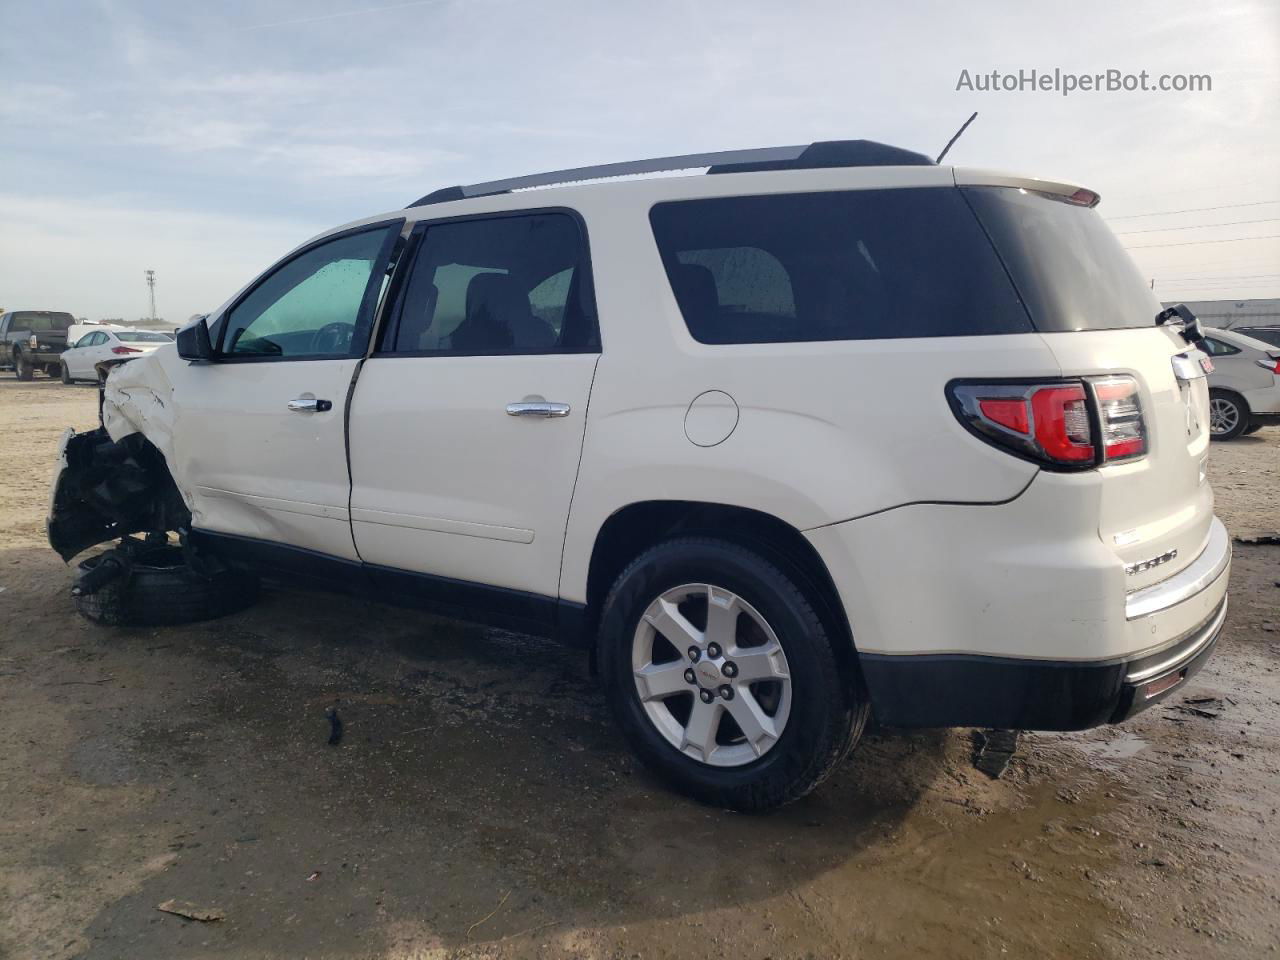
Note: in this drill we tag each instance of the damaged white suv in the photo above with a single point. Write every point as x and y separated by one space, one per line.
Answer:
817 432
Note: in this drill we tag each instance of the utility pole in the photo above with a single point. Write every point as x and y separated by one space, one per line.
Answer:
151 290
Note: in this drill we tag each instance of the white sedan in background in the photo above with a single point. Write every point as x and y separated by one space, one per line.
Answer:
80 361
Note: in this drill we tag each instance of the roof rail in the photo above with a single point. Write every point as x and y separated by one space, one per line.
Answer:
823 153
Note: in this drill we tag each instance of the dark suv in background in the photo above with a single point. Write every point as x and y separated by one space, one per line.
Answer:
33 339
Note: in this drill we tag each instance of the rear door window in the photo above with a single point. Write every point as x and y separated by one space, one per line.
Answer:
514 284
849 265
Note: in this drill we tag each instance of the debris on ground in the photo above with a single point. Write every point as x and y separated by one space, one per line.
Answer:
1258 536
181 908
1208 707
995 750
335 725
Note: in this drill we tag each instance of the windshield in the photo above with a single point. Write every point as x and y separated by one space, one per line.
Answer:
42 322
1068 266
142 336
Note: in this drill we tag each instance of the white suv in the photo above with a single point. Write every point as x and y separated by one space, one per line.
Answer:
822 431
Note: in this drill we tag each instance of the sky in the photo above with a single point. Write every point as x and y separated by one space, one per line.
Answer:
204 140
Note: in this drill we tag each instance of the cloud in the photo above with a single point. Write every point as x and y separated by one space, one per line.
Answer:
88 256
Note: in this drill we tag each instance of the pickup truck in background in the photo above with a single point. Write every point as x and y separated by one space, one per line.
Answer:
33 340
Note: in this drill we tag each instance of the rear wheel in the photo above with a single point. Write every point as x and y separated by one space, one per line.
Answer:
160 589
1228 415
723 677
22 366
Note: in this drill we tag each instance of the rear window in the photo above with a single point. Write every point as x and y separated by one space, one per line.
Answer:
142 336
34 322
1069 267
851 265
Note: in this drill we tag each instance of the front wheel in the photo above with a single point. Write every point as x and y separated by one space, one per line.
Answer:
1228 415
723 677
66 374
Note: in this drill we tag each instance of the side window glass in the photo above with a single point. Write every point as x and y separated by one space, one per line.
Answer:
318 304
1219 348
497 285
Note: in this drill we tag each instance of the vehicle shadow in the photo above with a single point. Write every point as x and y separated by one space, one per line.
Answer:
474 766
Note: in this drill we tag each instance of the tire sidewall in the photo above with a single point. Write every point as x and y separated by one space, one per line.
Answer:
22 369
815 698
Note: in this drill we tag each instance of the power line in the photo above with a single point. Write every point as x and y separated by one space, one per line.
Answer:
1192 243
1169 213
1196 226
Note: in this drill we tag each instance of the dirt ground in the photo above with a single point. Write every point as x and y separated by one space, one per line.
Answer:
481 804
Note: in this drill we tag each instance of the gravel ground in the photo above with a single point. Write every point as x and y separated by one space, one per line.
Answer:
481 805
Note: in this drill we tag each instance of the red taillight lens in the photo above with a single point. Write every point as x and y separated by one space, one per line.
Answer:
1062 423
125 350
1011 414
1055 423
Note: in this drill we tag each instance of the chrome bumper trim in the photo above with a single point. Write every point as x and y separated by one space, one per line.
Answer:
1199 575
1184 653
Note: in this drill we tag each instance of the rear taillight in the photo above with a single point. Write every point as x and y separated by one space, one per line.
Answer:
125 350
1272 364
33 341
1124 433
1071 424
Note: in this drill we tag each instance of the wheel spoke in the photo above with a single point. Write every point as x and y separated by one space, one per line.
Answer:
666 618
700 731
722 617
759 663
757 726
657 681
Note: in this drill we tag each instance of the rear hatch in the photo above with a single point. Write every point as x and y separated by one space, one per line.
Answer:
1097 315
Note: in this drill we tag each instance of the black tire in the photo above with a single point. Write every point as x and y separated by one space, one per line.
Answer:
161 590
1239 408
828 710
22 366
66 376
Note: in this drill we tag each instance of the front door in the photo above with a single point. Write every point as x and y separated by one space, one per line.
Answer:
467 422
260 440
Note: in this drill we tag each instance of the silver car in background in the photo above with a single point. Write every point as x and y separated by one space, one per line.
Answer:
1244 387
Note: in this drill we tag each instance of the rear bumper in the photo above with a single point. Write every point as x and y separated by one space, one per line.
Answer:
1015 694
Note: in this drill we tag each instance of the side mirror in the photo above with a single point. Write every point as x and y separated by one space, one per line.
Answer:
194 342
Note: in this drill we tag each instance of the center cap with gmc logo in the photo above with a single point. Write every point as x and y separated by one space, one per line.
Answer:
708 674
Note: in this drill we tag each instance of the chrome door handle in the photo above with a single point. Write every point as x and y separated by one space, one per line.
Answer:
537 409
310 405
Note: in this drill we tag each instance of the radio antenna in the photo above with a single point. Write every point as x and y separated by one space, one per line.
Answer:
950 143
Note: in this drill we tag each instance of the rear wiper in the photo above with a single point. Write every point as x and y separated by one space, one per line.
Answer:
1181 314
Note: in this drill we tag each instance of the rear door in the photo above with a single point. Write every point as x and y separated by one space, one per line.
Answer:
467 422
260 439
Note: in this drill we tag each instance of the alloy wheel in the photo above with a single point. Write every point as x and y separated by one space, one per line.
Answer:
711 675
1224 416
